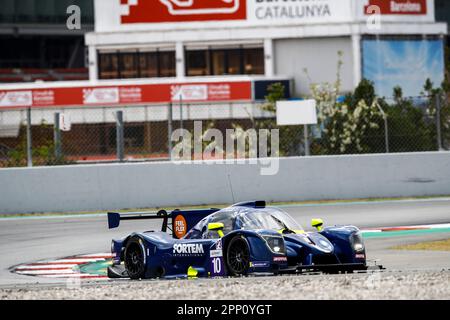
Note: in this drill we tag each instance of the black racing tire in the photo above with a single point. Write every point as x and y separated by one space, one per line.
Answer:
238 256
134 258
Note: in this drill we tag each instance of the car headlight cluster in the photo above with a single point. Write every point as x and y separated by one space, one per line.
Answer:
276 244
357 242
325 245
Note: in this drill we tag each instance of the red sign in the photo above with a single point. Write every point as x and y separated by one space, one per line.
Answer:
404 7
155 11
127 94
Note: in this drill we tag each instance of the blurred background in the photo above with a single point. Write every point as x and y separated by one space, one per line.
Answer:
379 88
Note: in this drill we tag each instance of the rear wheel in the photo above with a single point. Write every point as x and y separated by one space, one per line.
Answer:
135 258
238 256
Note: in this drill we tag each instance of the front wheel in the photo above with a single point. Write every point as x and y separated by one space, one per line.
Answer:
238 256
135 258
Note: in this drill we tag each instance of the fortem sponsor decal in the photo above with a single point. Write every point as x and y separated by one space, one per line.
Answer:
69 267
392 7
188 249
127 94
180 226
16 98
157 11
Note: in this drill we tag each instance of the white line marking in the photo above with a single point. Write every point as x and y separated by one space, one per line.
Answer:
75 260
42 272
102 254
26 266
429 226
76 275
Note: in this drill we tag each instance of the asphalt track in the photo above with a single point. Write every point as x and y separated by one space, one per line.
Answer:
24 240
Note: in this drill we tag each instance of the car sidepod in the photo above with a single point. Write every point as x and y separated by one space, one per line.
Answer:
171 257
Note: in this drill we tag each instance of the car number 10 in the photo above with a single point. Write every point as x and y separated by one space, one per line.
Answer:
217 265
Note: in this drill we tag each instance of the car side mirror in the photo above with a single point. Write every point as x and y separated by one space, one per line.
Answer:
216 226
317 223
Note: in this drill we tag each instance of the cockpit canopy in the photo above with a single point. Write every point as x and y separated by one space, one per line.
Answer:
237 218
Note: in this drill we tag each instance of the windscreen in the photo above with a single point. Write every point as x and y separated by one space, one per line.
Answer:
270 218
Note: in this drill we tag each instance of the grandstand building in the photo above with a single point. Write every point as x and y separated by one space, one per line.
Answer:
37 45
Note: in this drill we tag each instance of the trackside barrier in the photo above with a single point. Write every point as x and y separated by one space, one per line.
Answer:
140 185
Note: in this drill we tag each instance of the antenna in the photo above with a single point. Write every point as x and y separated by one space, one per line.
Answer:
231 187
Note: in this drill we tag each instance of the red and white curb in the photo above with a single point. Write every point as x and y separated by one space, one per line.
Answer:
407 228
68 267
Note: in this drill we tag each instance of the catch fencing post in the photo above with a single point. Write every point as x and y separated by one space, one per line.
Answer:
169 130
305 132
29 140
438 122
119 136
386 128
57 136
181 112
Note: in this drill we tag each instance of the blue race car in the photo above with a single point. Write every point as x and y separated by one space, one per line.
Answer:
242 239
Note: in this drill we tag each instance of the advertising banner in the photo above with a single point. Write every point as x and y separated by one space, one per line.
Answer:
410 7
157 11
397 10
127 94
130 15
405 63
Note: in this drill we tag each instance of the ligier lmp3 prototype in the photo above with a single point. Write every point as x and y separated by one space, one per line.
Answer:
242 239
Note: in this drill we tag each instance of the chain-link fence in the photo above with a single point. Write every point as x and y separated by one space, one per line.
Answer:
143 133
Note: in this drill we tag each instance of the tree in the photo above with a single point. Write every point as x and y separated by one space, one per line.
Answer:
347 125
408 130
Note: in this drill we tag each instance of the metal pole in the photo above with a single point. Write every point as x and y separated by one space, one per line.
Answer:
386 128
57 136
438 122
169 130
119 136
29 147
181 112
306 140
386 133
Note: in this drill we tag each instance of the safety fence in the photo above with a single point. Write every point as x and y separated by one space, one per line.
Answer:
144 133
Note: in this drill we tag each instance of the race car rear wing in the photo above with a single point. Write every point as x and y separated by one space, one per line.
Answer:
114 218
179 222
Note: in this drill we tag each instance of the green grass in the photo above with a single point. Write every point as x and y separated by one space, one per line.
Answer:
441 245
